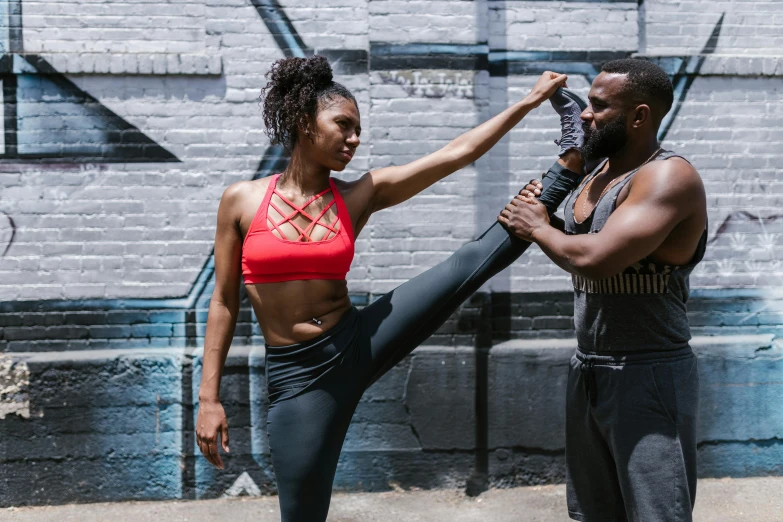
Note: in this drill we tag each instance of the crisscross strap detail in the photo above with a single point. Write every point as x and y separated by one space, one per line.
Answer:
268 256
314 221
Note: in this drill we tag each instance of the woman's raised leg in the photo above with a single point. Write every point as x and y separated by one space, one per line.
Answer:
399 321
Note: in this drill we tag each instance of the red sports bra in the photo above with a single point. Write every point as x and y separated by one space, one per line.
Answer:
267 258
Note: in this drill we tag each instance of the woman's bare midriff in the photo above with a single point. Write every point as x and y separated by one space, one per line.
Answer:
286 310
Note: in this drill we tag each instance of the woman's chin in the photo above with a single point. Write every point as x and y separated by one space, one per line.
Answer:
339 166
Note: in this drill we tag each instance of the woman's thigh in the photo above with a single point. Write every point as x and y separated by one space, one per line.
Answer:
399 321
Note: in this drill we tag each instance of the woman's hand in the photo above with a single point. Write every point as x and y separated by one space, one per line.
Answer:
210 423
545 87
532 189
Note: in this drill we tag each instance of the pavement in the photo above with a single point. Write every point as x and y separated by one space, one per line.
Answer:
718 500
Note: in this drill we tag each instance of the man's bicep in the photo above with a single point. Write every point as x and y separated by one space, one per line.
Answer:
635 230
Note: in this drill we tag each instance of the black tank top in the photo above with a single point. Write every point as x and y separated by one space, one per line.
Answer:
643 308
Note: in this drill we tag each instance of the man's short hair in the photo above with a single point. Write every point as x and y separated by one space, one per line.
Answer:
646 83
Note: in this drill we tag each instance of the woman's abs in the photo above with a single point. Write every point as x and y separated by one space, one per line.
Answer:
297 311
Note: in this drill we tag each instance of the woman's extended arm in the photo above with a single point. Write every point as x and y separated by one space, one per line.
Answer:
221 321
393 185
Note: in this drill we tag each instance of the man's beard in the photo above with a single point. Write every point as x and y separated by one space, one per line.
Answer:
606 141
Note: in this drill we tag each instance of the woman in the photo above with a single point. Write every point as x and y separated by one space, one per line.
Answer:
292 238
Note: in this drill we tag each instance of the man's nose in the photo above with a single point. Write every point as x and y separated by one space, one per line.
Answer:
587 115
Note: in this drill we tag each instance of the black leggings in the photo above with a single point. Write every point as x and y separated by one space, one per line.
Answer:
315 386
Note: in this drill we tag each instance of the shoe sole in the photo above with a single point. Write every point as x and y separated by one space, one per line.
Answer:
574 97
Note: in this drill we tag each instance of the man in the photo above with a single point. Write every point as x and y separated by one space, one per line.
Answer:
632 234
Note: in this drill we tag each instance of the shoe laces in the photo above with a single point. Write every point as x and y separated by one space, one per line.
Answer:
569 129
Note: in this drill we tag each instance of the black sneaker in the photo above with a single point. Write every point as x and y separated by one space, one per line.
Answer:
569 106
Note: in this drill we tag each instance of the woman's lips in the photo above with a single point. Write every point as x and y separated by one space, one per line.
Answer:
347 155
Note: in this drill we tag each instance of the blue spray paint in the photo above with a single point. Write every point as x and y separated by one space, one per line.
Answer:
190 311
687 68
33 88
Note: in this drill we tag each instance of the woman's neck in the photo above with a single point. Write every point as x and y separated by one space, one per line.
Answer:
304 175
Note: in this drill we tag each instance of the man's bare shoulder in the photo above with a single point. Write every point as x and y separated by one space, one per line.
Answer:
674 179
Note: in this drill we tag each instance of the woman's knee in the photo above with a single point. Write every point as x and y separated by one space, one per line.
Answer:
470 255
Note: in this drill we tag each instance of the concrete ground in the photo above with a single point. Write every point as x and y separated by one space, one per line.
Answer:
719 500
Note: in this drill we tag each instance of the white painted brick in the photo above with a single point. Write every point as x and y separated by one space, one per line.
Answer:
563 26
749 27
188 74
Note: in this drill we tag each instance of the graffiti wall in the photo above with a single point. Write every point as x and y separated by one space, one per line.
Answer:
122 126
124 121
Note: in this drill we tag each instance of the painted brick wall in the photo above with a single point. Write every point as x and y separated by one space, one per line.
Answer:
125 121
175 26
566 26
750 28
408 21
91 222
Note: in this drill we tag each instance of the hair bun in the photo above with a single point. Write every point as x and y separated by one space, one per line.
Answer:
291 95
317 70
314 72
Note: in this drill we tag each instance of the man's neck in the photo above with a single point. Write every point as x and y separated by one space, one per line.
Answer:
631 157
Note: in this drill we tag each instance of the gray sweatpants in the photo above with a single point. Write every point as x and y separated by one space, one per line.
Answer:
631 436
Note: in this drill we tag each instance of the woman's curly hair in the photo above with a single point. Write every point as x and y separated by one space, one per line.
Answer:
291 96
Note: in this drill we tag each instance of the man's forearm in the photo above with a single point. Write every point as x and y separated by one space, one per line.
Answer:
571 253
557 223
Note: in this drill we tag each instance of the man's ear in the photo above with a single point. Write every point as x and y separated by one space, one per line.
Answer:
642 115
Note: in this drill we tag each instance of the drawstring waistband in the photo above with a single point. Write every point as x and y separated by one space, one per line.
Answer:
614 358
588 382
588 361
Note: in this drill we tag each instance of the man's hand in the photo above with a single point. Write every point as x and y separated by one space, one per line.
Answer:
523 216
545 87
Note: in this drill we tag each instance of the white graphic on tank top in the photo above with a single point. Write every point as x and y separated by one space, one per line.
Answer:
644 277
